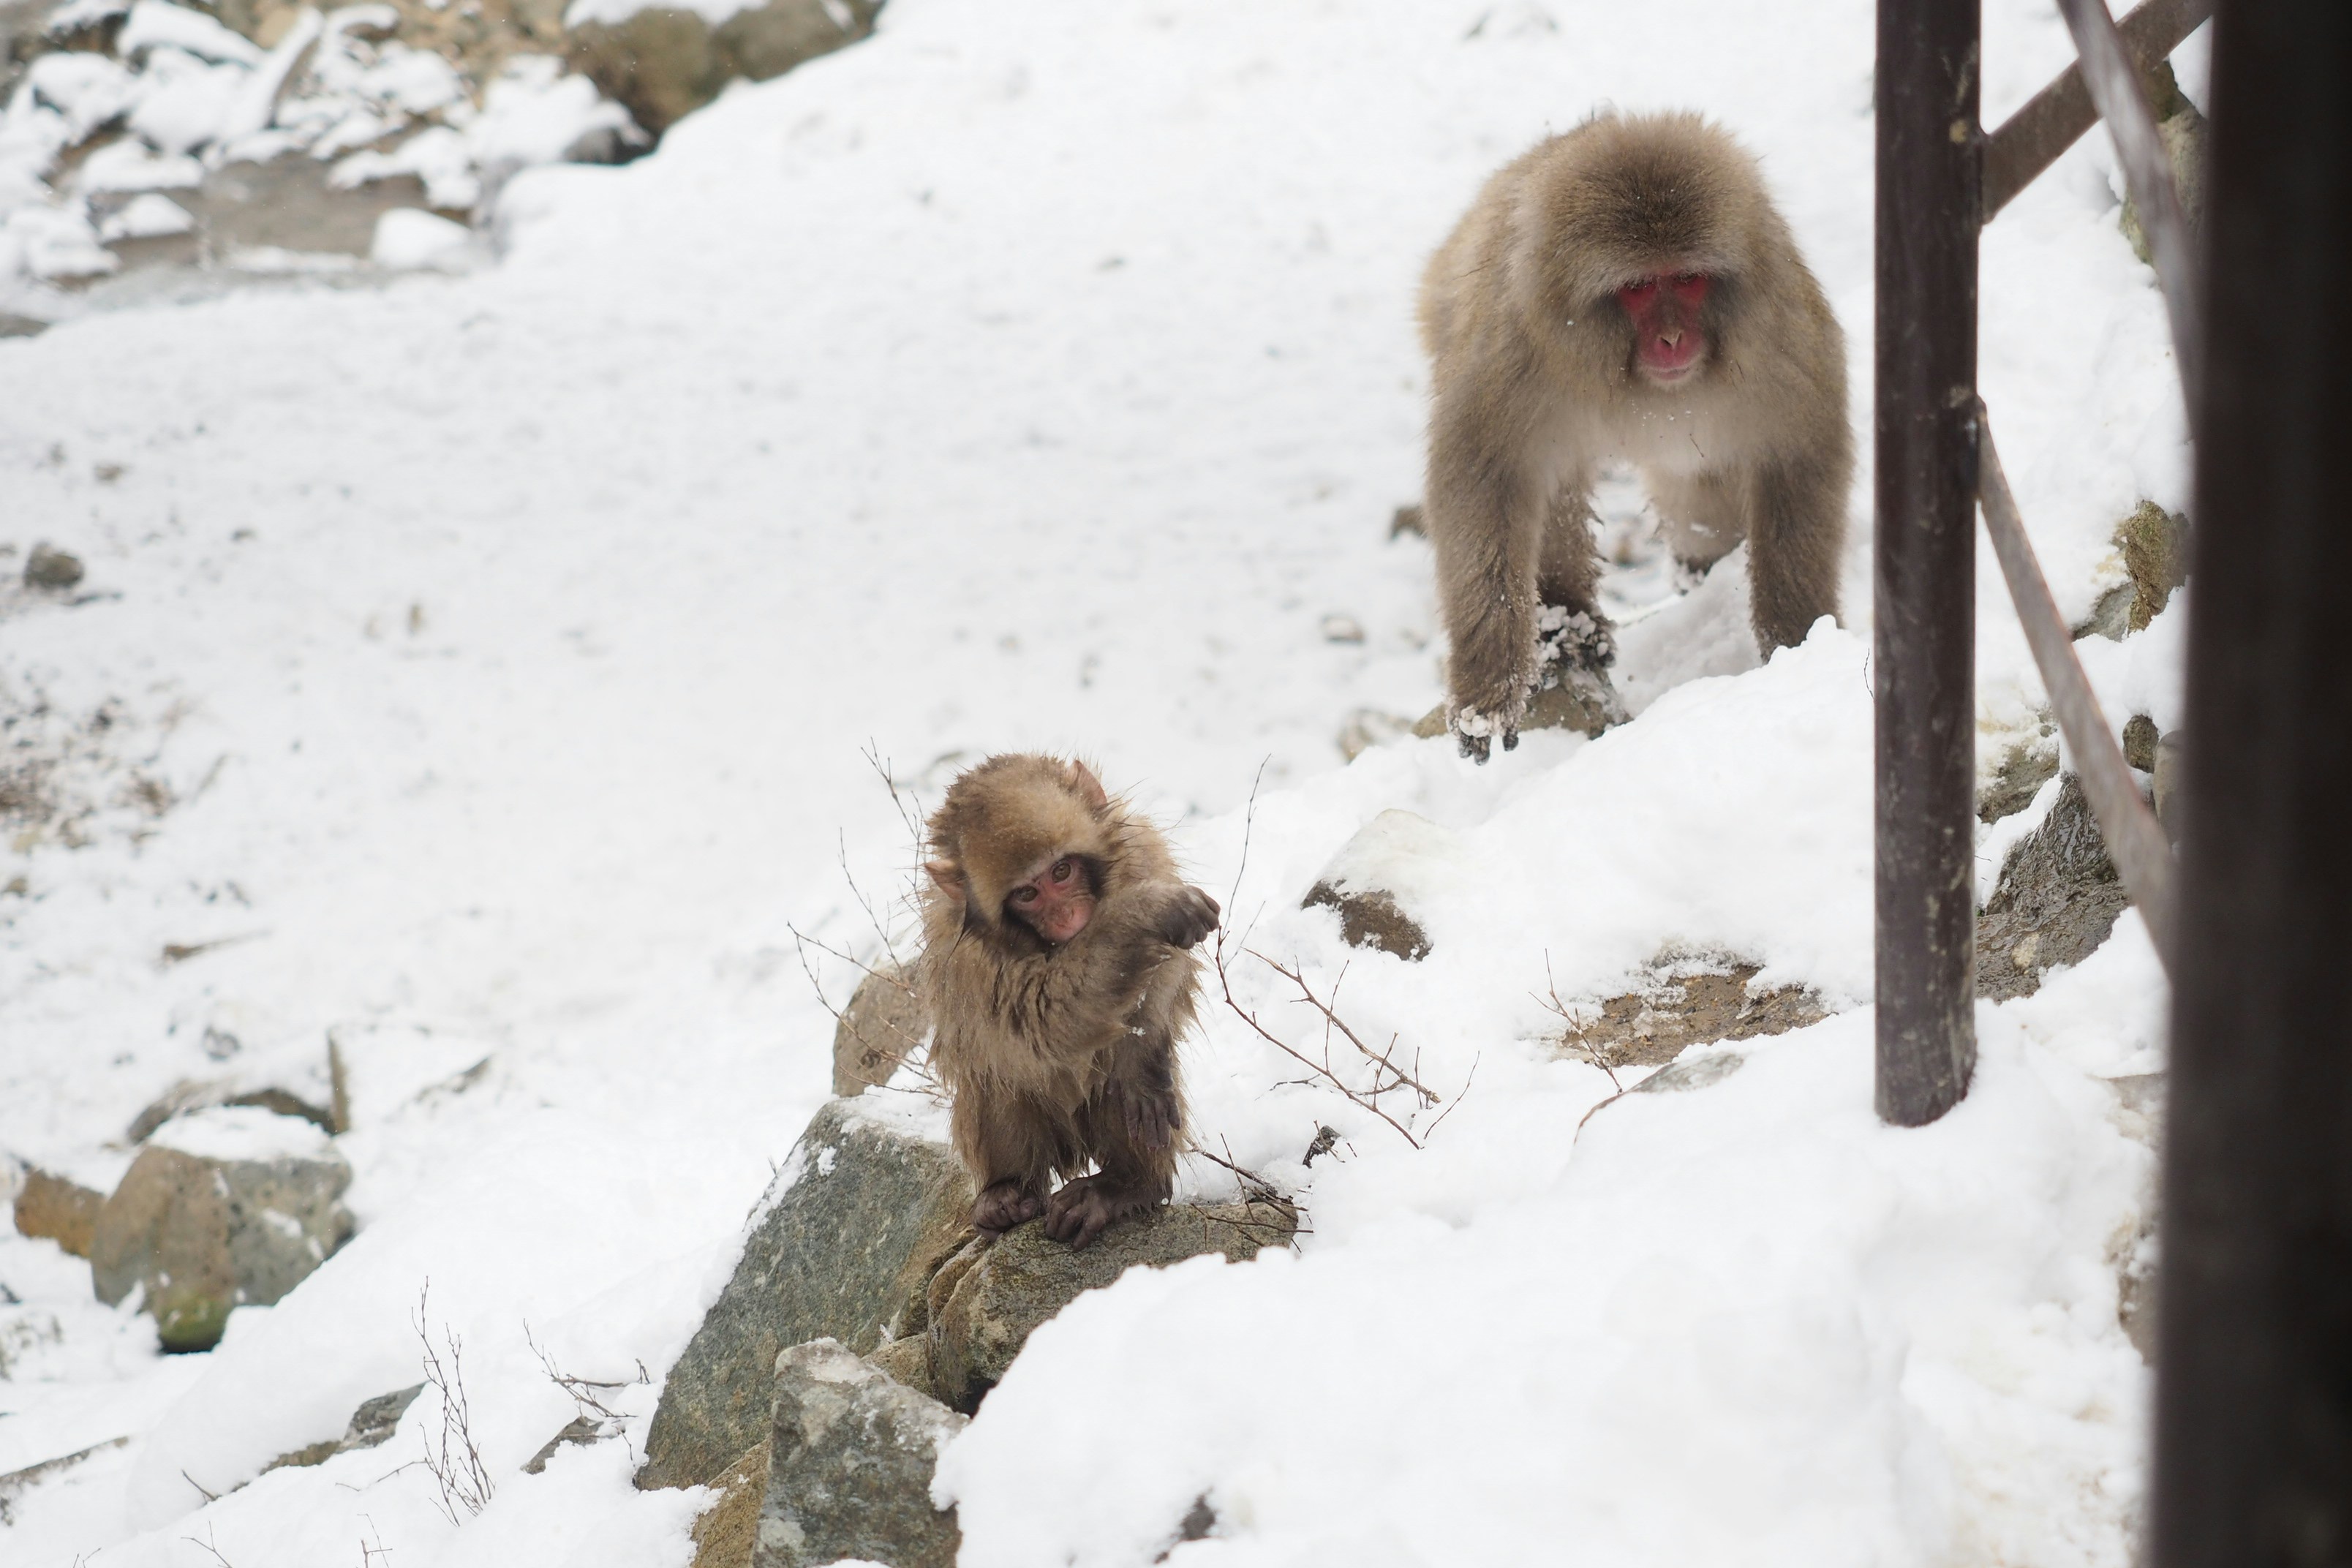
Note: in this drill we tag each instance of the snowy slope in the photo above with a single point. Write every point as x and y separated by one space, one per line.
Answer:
1042 375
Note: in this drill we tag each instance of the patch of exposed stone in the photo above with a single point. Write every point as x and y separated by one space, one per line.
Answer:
883 1022
335 147
817 1453
1682 1003
2057 899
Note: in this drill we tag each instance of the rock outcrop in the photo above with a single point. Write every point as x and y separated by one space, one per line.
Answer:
859 1217
371 1427
883 1022
984 1304
226 1207
2056 901
53 1208
1377 876
1690 1003
849 1467
664 63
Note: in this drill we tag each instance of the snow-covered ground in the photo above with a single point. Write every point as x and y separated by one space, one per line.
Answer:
489 665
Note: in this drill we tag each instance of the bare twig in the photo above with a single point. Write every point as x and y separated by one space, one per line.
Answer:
455 1463
1249 824
1552 1004
586 1392
210 1544
1399 1078
908 812
1468 1078
1253 1187
1368 1102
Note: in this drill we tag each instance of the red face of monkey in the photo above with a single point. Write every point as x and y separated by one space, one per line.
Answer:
1056 903
1669 344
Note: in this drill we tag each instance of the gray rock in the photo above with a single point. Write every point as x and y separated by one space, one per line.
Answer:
17 1483
883 1022
61 1211
191 1095
1692 1003
663 64
2140 742
2056 901
2110 616
986 1300
1681 1077
1374 879
13 326
203 1233
729 1529
2183 132
371 1427
1371 918
52 570
2155 546
2028 766
578 1431
908 1361
850 1465
859 1219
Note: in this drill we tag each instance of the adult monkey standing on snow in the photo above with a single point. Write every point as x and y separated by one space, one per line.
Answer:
1057 969
1625 290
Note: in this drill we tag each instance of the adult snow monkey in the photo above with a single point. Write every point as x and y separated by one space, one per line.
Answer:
1056 968
1626 291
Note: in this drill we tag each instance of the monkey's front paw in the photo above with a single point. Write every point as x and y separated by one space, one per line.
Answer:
1003 1206
1190 915
1151 1120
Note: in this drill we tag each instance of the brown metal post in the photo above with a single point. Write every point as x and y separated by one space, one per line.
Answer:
2253 1440
1924 601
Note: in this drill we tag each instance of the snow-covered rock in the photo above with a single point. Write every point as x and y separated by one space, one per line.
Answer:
849 1231
849 1467
223 1208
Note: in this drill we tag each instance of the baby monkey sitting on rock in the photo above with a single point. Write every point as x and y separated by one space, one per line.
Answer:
1057 970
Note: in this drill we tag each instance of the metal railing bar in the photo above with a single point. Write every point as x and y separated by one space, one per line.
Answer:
2135 840
2114 87
2055 119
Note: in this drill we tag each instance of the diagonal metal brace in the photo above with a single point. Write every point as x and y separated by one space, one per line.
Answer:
2055 119
2114 87
2134 838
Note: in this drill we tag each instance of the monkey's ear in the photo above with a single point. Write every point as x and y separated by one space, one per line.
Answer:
948 875
1089 788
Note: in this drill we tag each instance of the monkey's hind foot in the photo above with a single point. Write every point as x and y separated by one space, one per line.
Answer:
1003 1205
1569 640
1079 1211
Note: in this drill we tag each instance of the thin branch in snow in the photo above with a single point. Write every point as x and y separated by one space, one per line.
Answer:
1322 1071
1398 1079
1552 1004
454 1462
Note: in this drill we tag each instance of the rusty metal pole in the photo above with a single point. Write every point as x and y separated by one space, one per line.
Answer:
1923 671
2253 1408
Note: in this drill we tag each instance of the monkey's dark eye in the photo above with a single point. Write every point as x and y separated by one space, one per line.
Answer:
1638 293
1024 895
1062 869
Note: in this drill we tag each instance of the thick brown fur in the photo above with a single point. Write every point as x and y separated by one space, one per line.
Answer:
1535 386
1058 1056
